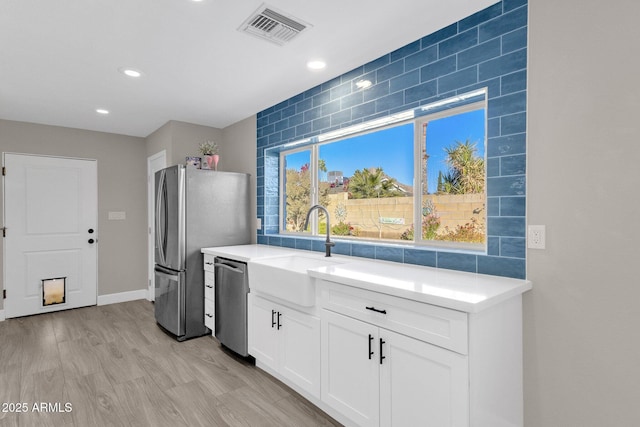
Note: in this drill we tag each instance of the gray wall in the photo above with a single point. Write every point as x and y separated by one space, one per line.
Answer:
582 319
237 154
180 140
122 250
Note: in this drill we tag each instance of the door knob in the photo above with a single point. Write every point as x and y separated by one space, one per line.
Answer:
91 240
91 231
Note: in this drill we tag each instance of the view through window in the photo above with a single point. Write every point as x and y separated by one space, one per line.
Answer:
378 184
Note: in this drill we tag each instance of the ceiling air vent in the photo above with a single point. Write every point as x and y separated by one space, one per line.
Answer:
272 25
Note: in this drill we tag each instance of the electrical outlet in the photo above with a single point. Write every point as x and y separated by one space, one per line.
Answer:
536 237
259 223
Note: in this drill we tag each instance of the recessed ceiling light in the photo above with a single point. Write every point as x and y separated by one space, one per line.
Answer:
102 111
131 72
316 64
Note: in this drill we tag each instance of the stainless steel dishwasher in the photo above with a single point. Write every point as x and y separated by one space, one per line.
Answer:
231 289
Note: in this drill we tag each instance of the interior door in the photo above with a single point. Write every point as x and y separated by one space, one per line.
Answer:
50 215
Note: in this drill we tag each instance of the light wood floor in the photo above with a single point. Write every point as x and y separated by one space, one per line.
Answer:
116 367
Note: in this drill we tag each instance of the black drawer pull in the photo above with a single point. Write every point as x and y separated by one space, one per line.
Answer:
208 315
370 351
273 321
376 310
209 286
381 356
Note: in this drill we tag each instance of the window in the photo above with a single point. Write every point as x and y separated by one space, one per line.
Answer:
379 179
453 176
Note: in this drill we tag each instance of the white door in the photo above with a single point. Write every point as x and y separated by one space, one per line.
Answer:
350 368
154 164
50 215
421 384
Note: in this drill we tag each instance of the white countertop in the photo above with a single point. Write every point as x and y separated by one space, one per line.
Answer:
458 290
468 292
247 253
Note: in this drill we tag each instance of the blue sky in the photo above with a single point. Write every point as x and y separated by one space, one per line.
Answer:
444 132
392 148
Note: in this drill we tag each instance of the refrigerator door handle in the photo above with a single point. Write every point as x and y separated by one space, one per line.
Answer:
166 272
160 198
228 267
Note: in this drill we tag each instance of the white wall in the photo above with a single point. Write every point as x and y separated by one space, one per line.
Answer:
582 319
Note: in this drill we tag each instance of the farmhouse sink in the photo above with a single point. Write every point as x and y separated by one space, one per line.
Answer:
286 277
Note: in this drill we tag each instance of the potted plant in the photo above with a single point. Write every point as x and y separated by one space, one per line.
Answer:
210 157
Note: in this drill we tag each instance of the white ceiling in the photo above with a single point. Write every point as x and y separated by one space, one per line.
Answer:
59 59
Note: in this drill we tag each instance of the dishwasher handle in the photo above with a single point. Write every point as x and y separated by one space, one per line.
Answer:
228 267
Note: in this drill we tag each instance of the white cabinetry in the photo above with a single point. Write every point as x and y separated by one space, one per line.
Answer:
209 294
375 376
286 341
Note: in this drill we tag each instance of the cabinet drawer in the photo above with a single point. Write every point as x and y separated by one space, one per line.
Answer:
436 325
209 283
209 315
208 262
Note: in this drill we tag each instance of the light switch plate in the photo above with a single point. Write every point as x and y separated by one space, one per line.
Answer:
259 223
117 215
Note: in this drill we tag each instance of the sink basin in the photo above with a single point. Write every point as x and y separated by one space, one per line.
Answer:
286 277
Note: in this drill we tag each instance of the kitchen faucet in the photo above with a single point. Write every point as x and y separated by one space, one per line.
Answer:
328 243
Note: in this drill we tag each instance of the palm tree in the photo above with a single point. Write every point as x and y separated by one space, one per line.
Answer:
466 173
372 183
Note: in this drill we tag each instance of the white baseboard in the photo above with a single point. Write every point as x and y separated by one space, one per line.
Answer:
122 297
2 315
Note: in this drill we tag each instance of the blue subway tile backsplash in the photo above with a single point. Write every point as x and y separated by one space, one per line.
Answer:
487 49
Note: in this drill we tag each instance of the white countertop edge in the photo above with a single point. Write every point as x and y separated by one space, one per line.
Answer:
256 252
246 253
454 304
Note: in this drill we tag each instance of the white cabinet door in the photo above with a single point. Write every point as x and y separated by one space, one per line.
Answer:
299 341
262 338
421 384
350 368
286 341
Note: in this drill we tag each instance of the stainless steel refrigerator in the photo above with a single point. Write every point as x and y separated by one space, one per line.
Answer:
194 209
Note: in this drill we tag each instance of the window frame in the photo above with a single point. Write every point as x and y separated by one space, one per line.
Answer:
417 116
417 177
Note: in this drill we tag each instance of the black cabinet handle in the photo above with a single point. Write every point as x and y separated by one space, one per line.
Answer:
370 351
273 321
90 231
209 286
91 240
376 310
208 315
381 356
279 325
